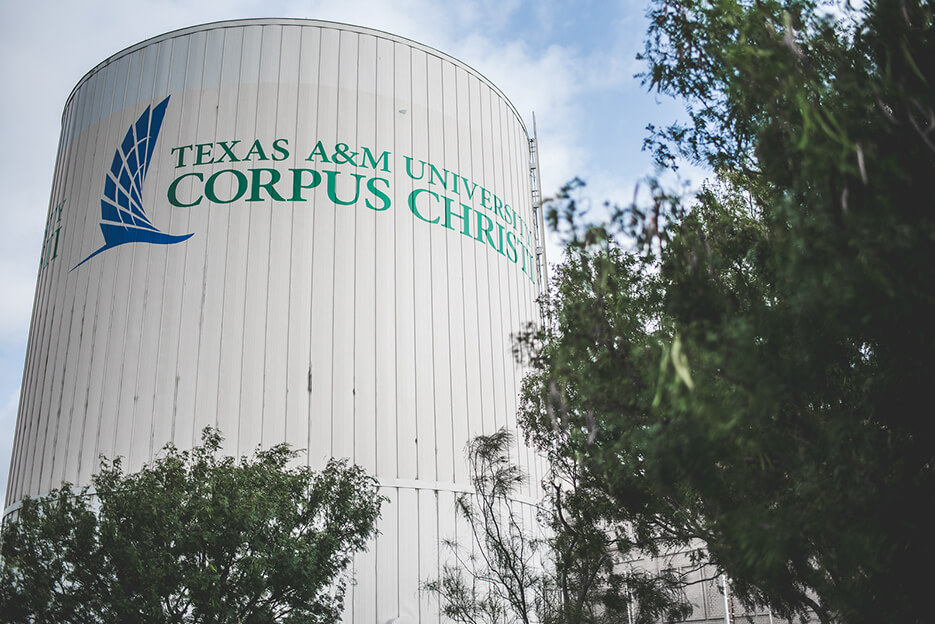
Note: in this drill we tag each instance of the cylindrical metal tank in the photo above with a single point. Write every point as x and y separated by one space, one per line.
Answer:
294 231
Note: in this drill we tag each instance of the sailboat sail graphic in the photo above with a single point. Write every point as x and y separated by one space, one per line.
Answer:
122 217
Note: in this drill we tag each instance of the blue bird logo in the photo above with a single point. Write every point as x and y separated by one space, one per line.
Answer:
122 217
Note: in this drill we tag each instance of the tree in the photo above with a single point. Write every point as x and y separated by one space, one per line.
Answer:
751 367
496 576
567 568
190 538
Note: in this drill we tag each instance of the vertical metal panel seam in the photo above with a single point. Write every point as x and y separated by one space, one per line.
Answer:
196 372
123 366
475 254
312 258
165 277
448 249
376 555
146 253
434 241
415 284
223 293
186 93
399 510
354 437
92 148
509 371
509 137
186 97
298 95
355 277
204 276
499 180
230 233
243 329
376 369
111 69
455 452
269 251
395 284
123 352
354 274
113 285
433 441
113 288
151 280
334 241
516 317
414 416
490 183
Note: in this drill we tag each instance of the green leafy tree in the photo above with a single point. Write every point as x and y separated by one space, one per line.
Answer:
588 398
191 538
751 368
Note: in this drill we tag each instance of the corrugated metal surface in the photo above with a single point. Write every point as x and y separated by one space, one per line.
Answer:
354 318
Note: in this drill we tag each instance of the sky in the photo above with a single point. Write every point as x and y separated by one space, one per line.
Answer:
570 62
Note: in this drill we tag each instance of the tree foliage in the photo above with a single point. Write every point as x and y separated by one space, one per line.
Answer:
190 538
750 367
563 567
495 576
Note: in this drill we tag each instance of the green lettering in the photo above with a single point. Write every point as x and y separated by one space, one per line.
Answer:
181 150
412 204
297 185
470 193
464 216
511 247
203 151
384 198
228 147
409 168
522 226
172 194
383 160
211 184
484 230
55 244
497 205
433 173
332 188
280 150
484 197
343 155
510 216
256 150
257 185
527 267
319 151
